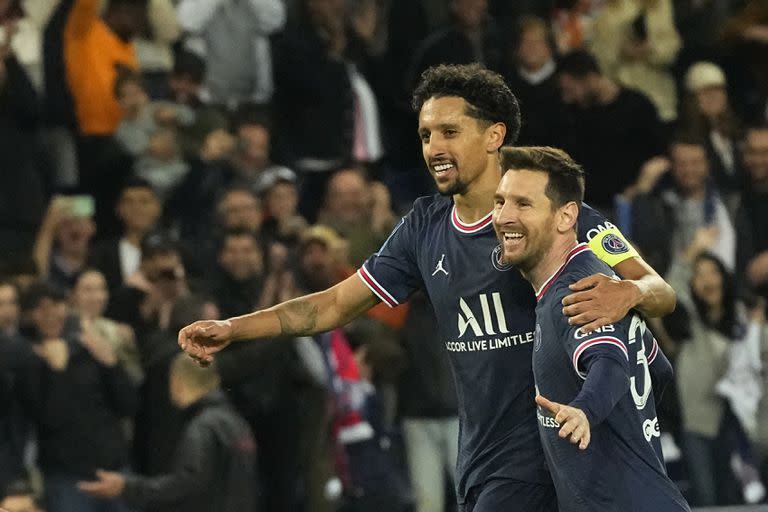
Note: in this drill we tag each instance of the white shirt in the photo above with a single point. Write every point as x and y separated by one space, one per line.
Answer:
130 258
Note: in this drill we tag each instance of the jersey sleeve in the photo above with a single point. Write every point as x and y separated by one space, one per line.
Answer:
609 341
392 273
603 237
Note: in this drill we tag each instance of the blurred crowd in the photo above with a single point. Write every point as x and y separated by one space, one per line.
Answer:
163 161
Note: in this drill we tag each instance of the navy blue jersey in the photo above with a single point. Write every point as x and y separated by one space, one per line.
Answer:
486 317
622 469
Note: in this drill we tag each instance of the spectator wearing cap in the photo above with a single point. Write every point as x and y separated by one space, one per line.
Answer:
708 114
279 192
138 207
78 396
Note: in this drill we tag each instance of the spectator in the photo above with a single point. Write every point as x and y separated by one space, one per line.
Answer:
149 132
358 210
240 208
324 98
429 409
185 86
15 358
89 301
231 34
636 43
21 186
95 48
708 115
753 212
531 73
709 424
63 244
238 286
138 208
667 213
282 222
147 299
471 37
612 131
213 468
75 372
154 51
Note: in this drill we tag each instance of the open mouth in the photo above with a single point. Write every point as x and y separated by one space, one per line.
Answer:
443 169
513 240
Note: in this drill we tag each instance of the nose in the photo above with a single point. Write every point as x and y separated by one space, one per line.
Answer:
505 214
435 148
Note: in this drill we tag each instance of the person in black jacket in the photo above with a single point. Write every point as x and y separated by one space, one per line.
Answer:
78 396
213 470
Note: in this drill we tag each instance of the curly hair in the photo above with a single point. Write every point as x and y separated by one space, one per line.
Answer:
488 97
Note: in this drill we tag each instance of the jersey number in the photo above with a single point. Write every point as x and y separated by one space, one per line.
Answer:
637 334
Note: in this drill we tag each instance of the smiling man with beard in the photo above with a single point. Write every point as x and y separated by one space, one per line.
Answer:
446 246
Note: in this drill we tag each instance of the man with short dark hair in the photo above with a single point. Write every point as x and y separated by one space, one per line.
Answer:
611 130
215 460
238 286
446 246
604 376
138 207
78 396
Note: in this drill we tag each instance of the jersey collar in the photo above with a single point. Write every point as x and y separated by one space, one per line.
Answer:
461 227
578 249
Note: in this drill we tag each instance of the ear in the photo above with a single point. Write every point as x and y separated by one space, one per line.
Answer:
496 133
567 217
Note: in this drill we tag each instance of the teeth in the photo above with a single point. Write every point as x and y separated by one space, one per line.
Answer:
513 236
442 167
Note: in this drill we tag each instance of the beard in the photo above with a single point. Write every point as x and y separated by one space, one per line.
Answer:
458 187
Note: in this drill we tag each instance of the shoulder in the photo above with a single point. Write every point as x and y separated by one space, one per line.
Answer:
428 208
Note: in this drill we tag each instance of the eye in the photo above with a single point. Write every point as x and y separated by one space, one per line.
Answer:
450 132
424 137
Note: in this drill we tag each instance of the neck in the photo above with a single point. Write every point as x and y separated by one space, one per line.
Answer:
696 193
477 201
134 237
715 313
607 90
553 259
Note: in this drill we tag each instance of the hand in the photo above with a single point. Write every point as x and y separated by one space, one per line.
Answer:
54 352
109 485
204 338
704 240
573 422
98 347
651 172
757 33
599 300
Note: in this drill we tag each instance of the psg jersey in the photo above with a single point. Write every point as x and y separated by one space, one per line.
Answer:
622 469
485 319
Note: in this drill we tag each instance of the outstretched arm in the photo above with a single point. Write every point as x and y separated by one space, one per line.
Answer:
307 315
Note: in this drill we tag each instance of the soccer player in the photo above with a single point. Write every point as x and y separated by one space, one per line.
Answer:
613 461
485 309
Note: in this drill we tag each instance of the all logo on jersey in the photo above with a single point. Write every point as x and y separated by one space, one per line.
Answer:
467 317
613 244
498 263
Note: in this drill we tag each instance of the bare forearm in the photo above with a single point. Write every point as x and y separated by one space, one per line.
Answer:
656 298
304 316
